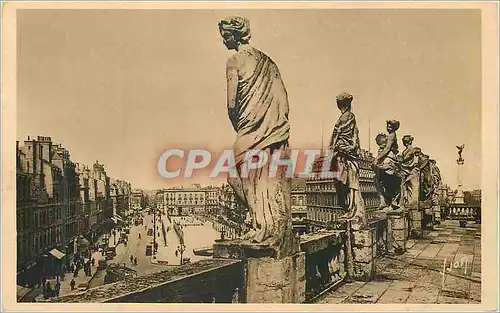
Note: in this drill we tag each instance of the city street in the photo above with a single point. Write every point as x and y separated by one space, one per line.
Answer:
137 248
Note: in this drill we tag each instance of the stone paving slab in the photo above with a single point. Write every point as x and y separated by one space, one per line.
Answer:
431 251
342 293
394 296
424 293
451 300
369 293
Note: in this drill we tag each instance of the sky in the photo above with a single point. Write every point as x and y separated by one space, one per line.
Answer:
122 86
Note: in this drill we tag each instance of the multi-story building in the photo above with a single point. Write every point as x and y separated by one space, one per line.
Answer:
59 203
321 197
184 201
299 206
138 200
231 213
212 199
120 193
472 197
48 208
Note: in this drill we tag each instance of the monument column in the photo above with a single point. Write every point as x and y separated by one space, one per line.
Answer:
459 197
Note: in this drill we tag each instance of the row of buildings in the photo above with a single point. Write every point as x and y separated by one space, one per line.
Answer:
61 207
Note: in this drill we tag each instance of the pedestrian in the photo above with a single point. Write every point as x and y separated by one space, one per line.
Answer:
176 253
50 292
92 262
75 273
72 284
131 259
135 261
57 288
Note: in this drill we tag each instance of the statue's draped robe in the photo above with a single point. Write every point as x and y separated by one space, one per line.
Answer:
425 180
410 187
436 183
261 121
346 150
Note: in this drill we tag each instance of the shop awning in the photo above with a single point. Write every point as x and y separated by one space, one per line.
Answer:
56 253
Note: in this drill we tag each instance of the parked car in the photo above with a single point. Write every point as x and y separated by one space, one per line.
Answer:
150 232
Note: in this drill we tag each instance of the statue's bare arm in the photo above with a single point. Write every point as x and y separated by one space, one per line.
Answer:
232 89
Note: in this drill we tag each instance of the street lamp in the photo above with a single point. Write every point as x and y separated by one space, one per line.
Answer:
181 248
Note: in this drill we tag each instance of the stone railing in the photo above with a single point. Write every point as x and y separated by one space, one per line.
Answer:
461 212
205 281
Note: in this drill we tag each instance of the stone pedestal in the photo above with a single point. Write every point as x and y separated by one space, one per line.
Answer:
364 252
415 217
267 278
437 214
396 232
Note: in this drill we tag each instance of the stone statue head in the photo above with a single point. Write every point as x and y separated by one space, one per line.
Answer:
392 126
381 140
235 30
418 152
344 100
407 140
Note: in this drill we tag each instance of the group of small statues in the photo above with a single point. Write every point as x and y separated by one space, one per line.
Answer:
403 179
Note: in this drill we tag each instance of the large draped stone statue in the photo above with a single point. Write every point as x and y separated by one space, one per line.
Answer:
387 168
437 182
426 179
345 152
257 104
410 174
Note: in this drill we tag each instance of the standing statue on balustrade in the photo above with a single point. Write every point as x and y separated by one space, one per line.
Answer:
257 104
345 152
425 179
410 174
387 168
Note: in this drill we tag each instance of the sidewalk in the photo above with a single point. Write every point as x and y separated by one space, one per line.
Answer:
424 273
80 279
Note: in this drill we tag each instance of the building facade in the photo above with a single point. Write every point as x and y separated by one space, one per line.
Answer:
58 203
299 206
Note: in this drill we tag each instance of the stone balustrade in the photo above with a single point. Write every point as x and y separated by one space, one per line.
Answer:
461 212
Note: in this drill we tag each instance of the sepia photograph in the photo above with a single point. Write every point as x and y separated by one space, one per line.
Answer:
304 156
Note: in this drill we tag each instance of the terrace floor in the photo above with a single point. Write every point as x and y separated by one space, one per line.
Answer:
423 273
